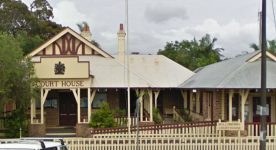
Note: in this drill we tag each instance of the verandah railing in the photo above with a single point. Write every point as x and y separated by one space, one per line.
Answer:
122 121
253 129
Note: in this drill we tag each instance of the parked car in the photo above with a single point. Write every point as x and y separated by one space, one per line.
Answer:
33 144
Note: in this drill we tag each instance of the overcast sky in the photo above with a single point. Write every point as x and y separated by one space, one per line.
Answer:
152 23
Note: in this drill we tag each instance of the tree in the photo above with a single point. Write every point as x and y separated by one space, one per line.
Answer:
271 46
193 54
81 26
28 43
16 73
16 17
42 9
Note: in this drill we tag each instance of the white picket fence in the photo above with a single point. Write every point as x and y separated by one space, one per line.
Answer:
169 143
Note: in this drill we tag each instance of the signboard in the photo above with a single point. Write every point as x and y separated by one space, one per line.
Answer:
70 83
262 111
230 126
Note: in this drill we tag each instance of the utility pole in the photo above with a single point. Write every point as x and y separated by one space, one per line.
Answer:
263 108
137 121
128 68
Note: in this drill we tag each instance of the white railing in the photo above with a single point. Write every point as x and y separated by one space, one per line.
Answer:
164 143
122 121
169 143
253 129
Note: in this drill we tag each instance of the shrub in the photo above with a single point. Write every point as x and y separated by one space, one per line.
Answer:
102 118
17 120
120 112
156 116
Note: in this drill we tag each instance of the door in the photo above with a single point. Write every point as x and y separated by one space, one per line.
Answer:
67 109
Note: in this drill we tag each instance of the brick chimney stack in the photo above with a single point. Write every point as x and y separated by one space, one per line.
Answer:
86 32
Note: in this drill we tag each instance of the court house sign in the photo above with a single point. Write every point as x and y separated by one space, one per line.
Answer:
62 83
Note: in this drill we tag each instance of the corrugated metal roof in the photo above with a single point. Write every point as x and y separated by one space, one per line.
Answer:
155 71
233 73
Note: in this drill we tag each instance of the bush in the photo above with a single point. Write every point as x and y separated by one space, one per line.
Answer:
102 118
120 112
156 116
17 120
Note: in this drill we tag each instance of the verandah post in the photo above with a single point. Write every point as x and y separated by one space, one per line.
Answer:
43 96
151 110
230 104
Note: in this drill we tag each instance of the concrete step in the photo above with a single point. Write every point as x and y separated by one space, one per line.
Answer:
61 131
60 135
168 120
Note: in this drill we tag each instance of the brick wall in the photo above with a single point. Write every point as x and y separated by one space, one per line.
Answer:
113 98
217 99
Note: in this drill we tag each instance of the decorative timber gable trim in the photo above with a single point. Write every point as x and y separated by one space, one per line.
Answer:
68 42
258 56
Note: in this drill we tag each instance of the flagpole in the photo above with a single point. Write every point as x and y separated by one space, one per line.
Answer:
263 111
128 85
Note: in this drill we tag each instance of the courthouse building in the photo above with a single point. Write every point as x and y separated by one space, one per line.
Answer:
75 77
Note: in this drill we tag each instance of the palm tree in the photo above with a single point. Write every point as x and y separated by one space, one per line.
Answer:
271 46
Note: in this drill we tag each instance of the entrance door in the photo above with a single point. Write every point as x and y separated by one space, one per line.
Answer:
67 109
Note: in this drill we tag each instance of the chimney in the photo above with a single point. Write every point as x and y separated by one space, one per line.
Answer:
121 43
86 32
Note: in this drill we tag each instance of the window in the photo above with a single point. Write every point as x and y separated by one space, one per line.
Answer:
50 103
236 106
201 103
194 102
188 100
99 98
84 102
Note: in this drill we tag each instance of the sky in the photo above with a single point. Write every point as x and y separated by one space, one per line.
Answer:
152 23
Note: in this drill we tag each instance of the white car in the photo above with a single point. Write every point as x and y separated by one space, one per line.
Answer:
32 144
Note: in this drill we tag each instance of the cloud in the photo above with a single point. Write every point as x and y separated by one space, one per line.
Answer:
155 22
67 14
163 13
234 36
109 35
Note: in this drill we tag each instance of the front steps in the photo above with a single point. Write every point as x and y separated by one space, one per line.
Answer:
61 131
